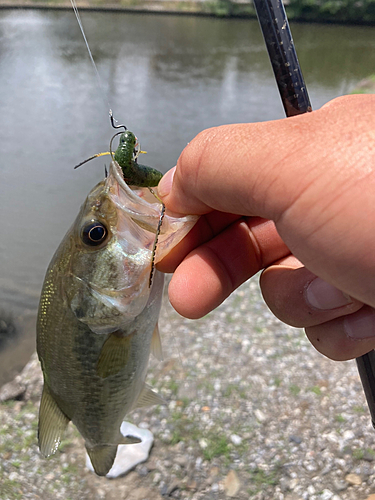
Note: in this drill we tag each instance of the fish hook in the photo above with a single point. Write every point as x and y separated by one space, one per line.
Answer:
111 117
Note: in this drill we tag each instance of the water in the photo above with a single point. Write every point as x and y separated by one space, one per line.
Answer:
165 77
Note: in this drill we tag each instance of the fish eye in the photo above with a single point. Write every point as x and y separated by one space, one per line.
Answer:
94 234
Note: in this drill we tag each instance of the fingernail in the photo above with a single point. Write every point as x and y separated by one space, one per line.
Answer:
165 185
360 325
322 295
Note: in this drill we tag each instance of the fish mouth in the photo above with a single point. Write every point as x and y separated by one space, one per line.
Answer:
144 208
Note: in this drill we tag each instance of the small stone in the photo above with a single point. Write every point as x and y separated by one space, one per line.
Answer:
260 416
348 435
353 479
214 472
236 440
215 487
295 439
231 484
142 470
12 390
156 478
181 461
339 485
175 484
163 489
310 489
192 485
293 483
368 456
203 443
326 495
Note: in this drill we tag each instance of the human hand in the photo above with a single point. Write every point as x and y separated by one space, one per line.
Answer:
295 197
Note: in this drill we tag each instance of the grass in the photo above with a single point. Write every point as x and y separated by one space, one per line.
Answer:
339 418
316 390
359 409
10 490
294 389
261 479
216 447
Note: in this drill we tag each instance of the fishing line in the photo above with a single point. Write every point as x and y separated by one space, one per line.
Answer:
99 80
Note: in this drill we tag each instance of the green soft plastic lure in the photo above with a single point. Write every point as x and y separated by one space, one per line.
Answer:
134 173
126 156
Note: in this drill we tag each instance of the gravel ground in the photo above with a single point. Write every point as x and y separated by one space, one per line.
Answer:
254 412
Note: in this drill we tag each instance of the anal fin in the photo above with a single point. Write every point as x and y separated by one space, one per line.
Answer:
148 398
102 458
156 348
113 356
52 424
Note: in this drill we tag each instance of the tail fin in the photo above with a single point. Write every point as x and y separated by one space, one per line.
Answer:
102 458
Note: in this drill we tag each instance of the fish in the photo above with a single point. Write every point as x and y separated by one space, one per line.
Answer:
98 317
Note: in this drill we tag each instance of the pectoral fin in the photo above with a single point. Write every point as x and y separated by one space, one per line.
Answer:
102 458
156 348
113 356
52 424
148 398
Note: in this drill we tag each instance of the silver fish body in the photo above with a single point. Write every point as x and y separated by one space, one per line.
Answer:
97 320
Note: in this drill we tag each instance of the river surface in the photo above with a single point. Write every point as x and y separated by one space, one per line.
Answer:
165 77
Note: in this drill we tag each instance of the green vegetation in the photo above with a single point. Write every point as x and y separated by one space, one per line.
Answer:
347 11
316 390
338 11
294 389
216 447
359 453
339 418
261 479
359 409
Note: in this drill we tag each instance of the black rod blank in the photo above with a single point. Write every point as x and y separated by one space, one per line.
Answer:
277 35
279 42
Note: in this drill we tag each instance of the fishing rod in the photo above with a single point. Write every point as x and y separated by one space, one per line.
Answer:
278 38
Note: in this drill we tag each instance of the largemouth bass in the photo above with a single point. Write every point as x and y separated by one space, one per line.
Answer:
97 319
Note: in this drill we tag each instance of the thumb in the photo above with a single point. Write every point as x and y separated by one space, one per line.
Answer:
263 168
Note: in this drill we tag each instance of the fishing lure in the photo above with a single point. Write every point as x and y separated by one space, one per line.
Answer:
126 156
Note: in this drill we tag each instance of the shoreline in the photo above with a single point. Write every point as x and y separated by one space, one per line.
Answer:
238 9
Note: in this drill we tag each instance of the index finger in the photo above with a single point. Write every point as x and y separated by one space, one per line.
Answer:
211 271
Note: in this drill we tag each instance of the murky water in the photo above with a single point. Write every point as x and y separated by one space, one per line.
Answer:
165 77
